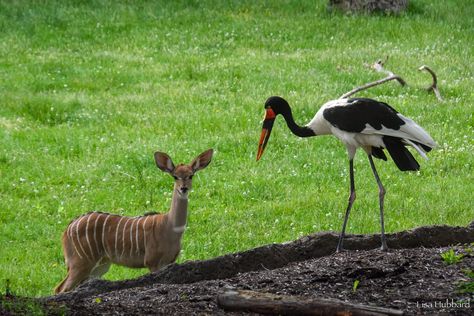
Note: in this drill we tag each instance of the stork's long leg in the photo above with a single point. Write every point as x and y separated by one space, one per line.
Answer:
381 199
352 198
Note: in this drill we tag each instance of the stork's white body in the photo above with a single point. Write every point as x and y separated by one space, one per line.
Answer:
369 137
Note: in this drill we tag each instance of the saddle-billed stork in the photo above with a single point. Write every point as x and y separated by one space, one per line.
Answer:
357 122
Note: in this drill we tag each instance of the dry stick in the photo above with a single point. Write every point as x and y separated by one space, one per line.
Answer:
434 85
373 84
378 66
267 303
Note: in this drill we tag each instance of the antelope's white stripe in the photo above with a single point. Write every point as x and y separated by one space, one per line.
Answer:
144 234
136 236
179 229
95 233
70 232
123 237
87 235
116 236
131 237
103 236
77 236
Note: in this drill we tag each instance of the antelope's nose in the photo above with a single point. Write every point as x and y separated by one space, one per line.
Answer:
184 189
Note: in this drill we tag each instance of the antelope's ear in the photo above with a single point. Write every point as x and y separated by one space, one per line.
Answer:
201 161
164 162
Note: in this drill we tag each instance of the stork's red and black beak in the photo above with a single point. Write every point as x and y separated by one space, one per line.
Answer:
266 130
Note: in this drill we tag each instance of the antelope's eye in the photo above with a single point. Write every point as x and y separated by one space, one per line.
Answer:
175 177
190 177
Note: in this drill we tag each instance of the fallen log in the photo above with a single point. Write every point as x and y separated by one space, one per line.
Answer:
267 303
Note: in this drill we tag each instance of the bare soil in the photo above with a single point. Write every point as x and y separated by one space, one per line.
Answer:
411 277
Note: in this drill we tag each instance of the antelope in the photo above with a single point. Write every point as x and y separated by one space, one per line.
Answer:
93 241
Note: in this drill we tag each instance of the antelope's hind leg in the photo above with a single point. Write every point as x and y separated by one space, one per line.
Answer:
75 276
100 269
59 288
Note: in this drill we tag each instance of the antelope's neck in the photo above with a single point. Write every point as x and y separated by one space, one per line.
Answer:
178 213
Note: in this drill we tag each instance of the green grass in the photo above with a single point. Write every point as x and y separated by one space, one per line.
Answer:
450 257
90 90
467 286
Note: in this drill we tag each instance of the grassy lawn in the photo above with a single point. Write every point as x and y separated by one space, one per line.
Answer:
89 91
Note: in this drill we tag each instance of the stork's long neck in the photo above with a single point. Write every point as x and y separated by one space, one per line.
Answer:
301 131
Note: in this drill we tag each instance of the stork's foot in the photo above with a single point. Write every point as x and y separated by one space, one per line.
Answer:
339 247
384 246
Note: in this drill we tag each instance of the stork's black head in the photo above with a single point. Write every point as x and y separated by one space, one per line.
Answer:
278 105
273 106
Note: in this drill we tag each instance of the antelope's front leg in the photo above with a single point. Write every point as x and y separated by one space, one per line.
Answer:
154 261
155 267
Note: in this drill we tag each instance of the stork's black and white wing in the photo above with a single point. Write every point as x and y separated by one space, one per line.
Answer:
364 118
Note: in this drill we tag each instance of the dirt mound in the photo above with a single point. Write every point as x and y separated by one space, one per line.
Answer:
411 277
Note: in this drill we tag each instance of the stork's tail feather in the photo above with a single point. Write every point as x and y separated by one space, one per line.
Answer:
417 147
378 153
426 148
400 154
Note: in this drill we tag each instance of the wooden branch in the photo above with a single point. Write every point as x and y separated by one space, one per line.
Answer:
266 303
378 66
373 84
434 85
